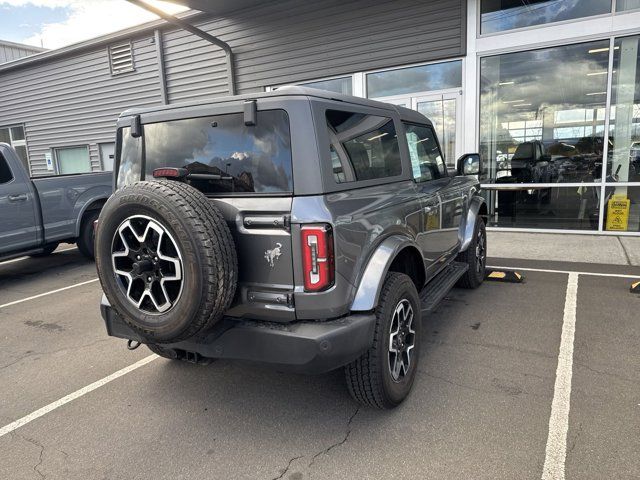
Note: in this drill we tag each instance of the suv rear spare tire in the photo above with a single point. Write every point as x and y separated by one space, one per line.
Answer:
166 260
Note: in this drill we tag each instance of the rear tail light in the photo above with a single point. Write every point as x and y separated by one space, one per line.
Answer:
317 257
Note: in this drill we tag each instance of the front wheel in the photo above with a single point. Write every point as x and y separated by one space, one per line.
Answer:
384 375
475 257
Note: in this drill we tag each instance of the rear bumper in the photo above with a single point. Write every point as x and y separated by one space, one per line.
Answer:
305 347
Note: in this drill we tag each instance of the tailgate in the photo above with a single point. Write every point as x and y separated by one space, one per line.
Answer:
260 227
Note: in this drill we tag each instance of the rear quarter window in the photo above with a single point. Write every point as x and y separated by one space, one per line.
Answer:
363 147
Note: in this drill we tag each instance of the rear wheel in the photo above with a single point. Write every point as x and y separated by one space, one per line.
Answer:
85 241
384 375
476 257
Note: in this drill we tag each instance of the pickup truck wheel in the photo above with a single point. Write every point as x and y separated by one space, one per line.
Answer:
476 257
384 375
166 260
86 240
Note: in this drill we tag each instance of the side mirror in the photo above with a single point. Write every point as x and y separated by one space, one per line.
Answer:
469 164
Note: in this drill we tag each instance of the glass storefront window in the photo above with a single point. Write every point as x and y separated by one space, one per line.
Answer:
624 157
622 5
542 114
565 208
436 76
442 113
338 85
501 15
622 209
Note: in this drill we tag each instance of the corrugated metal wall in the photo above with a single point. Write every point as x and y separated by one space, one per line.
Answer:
12 52
75 100
312 40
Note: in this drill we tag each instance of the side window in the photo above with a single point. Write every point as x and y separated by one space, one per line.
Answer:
426 158
363 147
5 172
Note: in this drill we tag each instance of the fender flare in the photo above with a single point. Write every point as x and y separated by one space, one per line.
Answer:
475 212
368 291
97 197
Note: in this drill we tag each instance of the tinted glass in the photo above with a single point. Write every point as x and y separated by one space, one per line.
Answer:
247 159
21 150
623 163
500 15
426 158
17 133
622 5
338 85
545 207
130 165
542 114
363 147
4 136
436 76
5 172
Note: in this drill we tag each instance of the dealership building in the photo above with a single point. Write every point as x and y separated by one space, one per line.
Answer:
548 92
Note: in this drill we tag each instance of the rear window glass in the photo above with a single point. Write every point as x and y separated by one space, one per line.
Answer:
363 147
246 159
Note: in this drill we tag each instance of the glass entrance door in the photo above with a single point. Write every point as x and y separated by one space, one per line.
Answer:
443 109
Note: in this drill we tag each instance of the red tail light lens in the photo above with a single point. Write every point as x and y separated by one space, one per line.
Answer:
170 172
317 257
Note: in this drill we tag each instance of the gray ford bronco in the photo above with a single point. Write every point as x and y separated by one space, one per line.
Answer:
299 228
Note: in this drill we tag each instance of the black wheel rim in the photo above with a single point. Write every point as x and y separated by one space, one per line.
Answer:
147 264
402 337
481 251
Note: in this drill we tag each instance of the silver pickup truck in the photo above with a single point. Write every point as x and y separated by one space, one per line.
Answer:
40 213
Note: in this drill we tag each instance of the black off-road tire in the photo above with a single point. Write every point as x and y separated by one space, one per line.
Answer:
46 250
369 378
474 276
86 240
209 262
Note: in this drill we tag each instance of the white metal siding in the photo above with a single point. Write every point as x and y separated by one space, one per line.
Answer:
76 100
10 52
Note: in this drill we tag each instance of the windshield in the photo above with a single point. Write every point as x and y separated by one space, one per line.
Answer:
243 159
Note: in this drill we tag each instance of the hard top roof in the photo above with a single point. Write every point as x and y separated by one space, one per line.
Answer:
405 113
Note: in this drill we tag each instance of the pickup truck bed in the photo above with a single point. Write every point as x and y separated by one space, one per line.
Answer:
38 213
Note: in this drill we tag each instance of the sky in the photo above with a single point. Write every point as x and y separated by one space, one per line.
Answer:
56 23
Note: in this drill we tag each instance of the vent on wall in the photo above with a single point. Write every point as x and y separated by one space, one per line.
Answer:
121 58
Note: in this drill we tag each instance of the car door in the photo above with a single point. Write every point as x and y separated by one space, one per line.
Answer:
432 181
18 228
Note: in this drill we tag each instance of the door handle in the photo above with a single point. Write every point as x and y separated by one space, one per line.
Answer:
18 198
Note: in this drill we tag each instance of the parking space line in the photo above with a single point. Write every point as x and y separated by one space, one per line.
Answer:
556 450
72 396
565 272
15 302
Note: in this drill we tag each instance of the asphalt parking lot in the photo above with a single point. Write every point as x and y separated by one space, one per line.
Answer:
486 403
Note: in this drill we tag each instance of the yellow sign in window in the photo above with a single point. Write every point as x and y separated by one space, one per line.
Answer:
618 213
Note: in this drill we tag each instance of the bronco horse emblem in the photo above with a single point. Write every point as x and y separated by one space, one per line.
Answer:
273 254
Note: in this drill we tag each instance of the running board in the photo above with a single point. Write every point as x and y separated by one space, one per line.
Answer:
433 293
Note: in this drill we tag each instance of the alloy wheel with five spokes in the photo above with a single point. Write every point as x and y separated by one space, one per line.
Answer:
401 340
